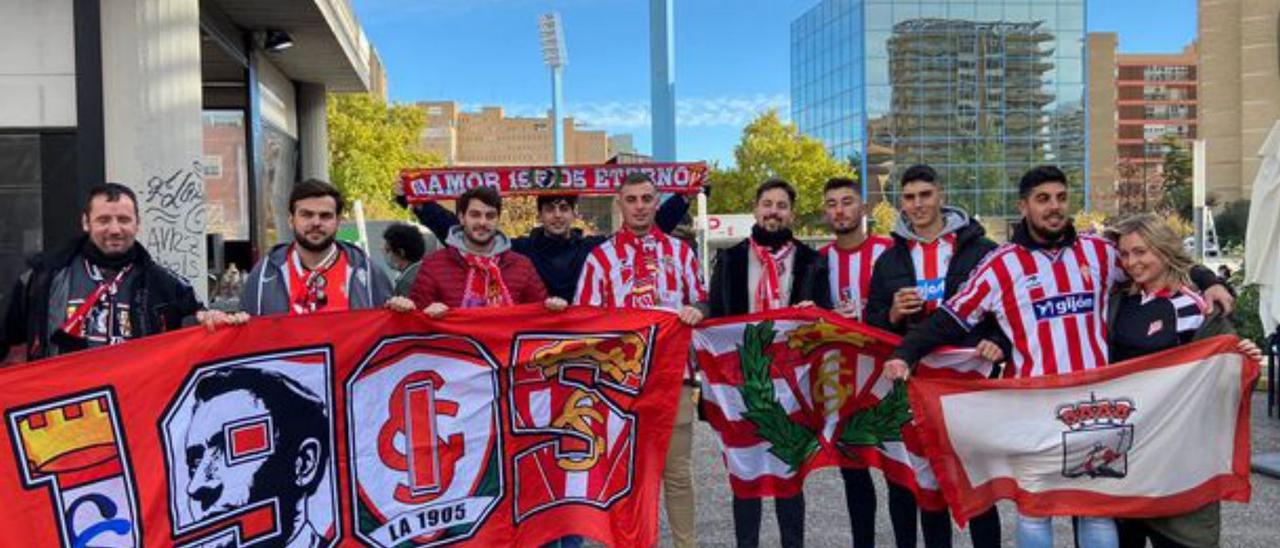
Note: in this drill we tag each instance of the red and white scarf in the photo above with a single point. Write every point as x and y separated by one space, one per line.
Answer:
75 324
644 277
484 285
773 264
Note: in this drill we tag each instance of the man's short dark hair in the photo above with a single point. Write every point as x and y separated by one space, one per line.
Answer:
487 195
314 188
547 199
1040 175
405 239
841 182
112 193
774 182
920 173
297 414
636 178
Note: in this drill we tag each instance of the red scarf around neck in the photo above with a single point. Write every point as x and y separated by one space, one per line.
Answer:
644 280
484 286
75 324
772 265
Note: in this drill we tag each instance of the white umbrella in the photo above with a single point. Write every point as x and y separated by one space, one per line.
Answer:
1262 258
1262 239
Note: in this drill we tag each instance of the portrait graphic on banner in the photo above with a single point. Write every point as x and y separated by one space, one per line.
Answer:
73 451
423 425
249 450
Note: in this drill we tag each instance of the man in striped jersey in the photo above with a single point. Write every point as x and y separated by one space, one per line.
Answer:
642 267
852 255
850 259
767 271
1046 289
935 248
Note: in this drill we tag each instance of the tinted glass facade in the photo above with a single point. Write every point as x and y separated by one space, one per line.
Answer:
981 90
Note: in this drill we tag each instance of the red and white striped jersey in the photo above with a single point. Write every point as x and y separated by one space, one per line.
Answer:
1050 303
931 260
849 271
608 275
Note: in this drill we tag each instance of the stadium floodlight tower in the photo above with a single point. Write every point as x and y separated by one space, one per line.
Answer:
551 34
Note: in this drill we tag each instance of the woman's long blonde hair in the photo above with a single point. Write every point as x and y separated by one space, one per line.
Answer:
1161 240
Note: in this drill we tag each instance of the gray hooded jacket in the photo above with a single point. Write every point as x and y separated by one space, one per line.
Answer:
266 290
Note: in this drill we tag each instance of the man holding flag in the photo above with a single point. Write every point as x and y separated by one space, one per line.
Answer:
477 268
641 267
768 271
935 247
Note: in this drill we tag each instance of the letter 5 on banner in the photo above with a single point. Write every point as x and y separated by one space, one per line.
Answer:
497 427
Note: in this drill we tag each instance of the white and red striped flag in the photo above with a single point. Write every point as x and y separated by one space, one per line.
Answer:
1160 435
795 390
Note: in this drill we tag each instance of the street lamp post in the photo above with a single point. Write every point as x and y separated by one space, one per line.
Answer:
551 34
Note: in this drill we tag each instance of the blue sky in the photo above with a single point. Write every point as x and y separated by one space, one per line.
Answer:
732 57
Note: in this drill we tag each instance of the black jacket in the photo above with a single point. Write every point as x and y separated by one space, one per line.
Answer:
729 294
895 270
559 261
160 300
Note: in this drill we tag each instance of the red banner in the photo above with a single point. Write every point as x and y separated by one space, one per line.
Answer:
491 428
425 185
1160 435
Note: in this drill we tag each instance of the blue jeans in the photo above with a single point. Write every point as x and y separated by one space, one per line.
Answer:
1092 532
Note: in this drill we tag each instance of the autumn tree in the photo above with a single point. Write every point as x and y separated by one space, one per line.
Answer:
773 148
1177 173
370 141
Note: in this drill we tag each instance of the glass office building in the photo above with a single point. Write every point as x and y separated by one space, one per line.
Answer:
982 90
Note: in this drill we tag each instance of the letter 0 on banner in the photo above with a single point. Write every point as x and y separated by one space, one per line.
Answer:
249 452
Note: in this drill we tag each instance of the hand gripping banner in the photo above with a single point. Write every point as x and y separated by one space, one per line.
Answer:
491 428
425 185
795 390
1160 435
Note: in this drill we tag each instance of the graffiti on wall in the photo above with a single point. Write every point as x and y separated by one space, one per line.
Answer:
174 209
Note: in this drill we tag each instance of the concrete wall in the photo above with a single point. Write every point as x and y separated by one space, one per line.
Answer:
279 100
152 106
37 64
1239 89
1102 121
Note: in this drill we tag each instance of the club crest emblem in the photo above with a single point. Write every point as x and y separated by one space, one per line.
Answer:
1098 437
422 422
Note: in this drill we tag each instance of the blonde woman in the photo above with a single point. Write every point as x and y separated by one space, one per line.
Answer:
1160 309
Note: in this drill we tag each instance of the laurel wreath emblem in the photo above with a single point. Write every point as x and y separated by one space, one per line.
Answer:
881 422
791 443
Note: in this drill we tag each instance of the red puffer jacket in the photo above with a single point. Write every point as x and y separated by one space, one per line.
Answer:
442 278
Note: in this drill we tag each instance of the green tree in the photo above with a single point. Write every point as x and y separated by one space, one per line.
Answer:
1231 223
370 141
773 148
1177 177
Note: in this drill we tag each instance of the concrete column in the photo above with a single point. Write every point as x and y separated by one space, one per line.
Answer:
313 131
153 135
